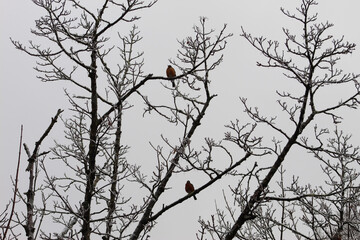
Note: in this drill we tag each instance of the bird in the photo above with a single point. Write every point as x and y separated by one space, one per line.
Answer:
337 236
170 73
189 188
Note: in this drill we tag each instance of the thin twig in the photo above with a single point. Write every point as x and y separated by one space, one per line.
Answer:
16 185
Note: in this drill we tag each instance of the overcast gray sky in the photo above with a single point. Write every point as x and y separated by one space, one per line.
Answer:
25 100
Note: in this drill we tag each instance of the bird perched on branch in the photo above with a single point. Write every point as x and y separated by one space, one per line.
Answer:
337 236
170 73
189 188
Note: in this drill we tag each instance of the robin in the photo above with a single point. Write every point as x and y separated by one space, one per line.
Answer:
189 188
337 236
170 73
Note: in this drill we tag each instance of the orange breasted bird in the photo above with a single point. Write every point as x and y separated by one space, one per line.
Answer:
337 236
170 73
189 188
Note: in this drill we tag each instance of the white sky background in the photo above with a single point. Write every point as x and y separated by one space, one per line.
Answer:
25 100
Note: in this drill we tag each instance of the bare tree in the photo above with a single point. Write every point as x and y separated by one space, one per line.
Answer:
94 195
309 61
94 155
